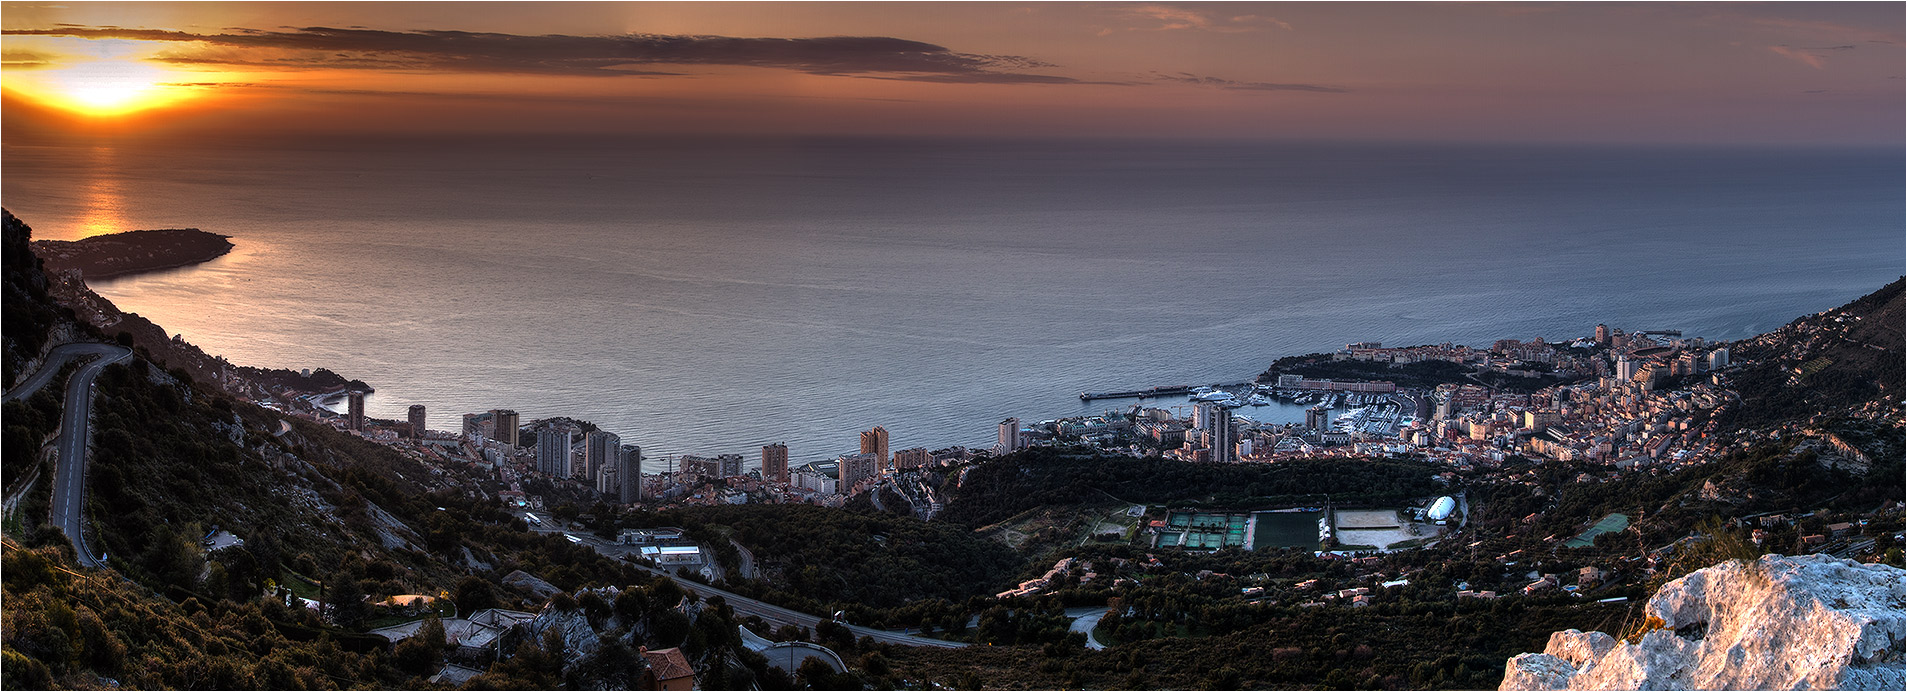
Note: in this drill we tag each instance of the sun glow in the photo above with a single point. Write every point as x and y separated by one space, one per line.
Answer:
103 88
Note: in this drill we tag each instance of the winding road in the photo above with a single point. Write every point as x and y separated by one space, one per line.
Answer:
69 477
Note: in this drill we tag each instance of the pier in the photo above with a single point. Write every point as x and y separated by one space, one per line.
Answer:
1145 393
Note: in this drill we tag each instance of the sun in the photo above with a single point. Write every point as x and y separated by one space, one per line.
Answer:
103 88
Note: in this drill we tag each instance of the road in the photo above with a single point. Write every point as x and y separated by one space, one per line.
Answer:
1085 619
56 360
69 478
747 566
744 605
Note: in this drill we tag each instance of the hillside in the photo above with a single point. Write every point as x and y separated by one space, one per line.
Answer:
335 521
1826 362
316 514
28 312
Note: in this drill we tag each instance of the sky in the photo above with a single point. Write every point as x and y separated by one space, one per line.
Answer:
1700 73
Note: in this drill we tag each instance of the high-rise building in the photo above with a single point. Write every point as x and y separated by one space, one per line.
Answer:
1602 334
875 442
503 426
774 463
1625 369
606 482
912 458
600 450
1218 432
854 468
629 476
417 421
1718 359
1010 440
553 450
355 418
1317 418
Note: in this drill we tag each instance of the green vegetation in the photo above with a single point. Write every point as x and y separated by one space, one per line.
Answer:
1422 375
821 560
1399 642
65 629
1845 357
27 314
1042 478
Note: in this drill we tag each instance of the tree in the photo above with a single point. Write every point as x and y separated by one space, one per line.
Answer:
474 594
346 597
422 653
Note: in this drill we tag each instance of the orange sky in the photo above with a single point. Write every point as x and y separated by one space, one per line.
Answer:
1698 73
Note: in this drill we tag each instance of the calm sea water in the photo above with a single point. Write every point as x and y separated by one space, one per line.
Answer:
712 296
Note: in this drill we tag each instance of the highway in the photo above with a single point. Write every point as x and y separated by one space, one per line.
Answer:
744 605
69 478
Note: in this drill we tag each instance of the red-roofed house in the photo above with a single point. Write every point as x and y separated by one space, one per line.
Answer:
668 670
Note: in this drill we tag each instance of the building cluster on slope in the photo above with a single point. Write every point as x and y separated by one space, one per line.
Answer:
1625 399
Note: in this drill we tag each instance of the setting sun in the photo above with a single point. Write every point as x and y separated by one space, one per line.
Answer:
102 88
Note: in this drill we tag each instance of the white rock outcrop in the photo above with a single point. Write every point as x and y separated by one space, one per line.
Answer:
1807 622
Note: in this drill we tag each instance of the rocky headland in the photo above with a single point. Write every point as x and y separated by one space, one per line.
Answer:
1805 622
132 252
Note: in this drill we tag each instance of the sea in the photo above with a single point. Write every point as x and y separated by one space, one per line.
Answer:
711 295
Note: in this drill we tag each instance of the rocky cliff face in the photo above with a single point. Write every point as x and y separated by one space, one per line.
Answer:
1805 622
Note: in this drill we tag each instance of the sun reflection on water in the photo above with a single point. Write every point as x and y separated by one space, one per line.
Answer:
102 195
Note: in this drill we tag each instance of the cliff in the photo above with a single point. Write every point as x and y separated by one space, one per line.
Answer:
132 252
1803 622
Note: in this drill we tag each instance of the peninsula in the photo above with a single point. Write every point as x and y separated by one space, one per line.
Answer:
132 252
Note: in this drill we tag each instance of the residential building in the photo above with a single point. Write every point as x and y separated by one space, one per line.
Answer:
629 476
503 426
600 450
668 670
820 483
417 421
553 450
774 463
912 458
875 442
608 481
1218 432
854 468
1718 359
355 418
1010 437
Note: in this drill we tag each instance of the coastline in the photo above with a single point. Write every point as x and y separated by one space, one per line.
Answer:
116 255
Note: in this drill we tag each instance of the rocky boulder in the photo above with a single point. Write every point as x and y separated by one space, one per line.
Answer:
1806 622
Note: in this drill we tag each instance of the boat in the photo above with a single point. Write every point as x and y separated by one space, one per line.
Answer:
1258 400
1211 395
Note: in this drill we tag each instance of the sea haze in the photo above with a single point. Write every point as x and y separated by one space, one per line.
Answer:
710 296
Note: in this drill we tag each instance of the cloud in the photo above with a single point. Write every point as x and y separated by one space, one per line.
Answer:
1174 18
1820 29
1188 78
24 60
460 51
1801 56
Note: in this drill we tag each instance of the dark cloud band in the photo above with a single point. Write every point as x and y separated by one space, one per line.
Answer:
460 51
